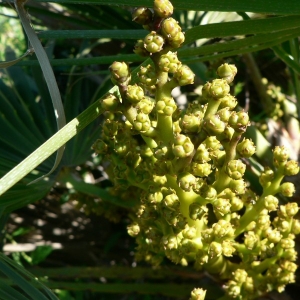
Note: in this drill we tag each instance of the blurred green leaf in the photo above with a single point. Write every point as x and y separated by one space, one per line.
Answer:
40 254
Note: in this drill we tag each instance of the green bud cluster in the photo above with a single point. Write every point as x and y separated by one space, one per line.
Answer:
188 169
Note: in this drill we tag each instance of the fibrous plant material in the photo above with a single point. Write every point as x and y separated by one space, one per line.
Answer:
188 169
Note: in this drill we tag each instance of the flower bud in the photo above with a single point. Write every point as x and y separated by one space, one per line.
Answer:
215 250
146 105
147 76
219 88
287 243
266 177
239 120
134 93
142 16
207 235
235 169
110 102
120 73
201 170
163 8
182 147
224 114
100 147
273 236
250 240
169 242
197 294
240 275
184 75
222 229
228 101
246 148
295 226
214 125
228 249
139 49
202 154
222 206
212 143
189 232
142 122
133 229
291 168
186 181
171 202
236 203
153 42
287 189
170 27
110 128
169 62
197 211
227 72
166 106
291 209
238 186
280 155
271 203
208 192
190 123
177 40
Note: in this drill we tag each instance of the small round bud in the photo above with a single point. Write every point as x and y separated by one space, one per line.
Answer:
120 73
169 62
266 177
214 125
246 148
139 49
146 105
208 192
228 101
222 206
133 229
197 294
153 42
134 93
215 250
224 114
166 106
169 242
186 181
100 147
235 169
142 16
212 143
287 243
295 226
142 122
239 120
190 123
171 202
222 229
202 154
240 275
147 76
182 147
280 155
110 102
273 236
184 75
291 168
291 209
170 28
197 211
201 170
177 40
287 189
227 72
219 88
251 240
189 232
163 8
271 203
238 186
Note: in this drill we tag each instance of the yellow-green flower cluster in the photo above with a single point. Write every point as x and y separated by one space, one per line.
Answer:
188 169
